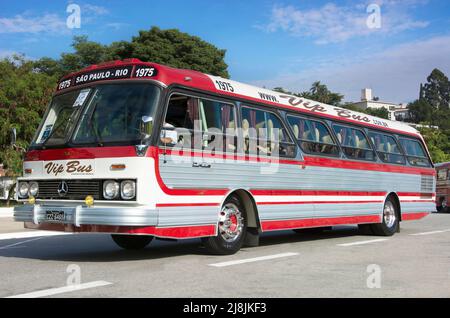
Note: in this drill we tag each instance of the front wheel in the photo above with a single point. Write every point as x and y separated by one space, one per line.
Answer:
390 223
231 229
132 242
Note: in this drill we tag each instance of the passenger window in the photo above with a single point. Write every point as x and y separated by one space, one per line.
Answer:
314 136
387 148
415 153
199 124
264 134
354 143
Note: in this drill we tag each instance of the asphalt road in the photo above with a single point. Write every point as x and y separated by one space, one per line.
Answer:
338 263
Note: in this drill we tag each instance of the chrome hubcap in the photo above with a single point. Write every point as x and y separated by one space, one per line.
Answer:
231 222
389 214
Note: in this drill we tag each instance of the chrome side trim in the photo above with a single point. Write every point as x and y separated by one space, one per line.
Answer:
79 215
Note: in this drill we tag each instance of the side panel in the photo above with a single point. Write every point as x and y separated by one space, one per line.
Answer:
294 194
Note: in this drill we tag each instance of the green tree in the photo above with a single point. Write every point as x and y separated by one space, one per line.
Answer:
24 95
168 47
437 90
382 112
320 92
420 111
438 144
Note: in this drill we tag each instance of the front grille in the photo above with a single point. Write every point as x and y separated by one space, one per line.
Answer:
426 183
77 189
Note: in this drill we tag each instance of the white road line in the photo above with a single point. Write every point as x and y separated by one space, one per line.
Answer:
60 290
20 235
15 244
250 260
431 232
362 242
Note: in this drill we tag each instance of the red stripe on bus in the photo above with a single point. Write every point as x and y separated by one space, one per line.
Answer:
415 194
191 231
274 225
169 205
316 192
80 153
414 216
230 156
316 202
369 166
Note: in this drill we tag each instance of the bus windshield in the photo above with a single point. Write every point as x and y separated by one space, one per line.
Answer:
110 113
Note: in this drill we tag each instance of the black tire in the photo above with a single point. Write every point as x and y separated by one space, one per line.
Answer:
132 242
224 243
390 223
313 230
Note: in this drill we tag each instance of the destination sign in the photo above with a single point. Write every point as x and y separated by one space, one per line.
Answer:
115 73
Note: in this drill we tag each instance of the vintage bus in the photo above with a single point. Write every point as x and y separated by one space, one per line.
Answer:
141 150
442 187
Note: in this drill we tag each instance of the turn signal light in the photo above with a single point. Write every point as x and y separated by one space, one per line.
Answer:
89 200
32 200
118 167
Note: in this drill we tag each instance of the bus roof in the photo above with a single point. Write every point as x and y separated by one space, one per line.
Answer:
136 69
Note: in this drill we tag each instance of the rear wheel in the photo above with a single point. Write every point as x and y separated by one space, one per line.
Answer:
231 229
132 242
390 223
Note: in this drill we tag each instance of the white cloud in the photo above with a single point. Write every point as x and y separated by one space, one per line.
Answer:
394 74
93 9
49 23
332 23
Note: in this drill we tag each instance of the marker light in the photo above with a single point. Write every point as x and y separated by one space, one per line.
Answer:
33 189
23 190
128 189
32 200
89 200
111 189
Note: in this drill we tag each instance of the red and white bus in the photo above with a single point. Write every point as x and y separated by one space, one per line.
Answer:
141 150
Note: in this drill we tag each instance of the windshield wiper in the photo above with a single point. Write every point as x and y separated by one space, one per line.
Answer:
56 128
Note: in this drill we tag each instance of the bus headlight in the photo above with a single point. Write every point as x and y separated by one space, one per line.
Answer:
33 189
128 189
111 189
23 190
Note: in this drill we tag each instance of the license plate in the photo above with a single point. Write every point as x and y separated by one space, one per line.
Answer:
55 216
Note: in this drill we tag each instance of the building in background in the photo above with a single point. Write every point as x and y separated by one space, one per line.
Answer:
396 111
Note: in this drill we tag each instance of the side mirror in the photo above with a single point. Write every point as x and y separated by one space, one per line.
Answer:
13 136
146 127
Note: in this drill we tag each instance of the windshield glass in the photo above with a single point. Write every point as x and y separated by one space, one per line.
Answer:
109 113
60 118
114 113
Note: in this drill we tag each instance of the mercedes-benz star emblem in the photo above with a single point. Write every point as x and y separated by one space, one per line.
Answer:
63 188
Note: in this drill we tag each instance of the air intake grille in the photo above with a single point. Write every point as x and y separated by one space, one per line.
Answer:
76 189
427 183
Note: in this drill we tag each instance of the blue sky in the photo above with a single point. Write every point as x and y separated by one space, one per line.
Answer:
269 43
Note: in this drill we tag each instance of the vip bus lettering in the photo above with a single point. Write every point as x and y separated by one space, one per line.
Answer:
71 167
345 113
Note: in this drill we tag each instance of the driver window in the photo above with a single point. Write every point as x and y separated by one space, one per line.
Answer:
208 119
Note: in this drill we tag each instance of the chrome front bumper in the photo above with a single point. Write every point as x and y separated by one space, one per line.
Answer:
82 215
